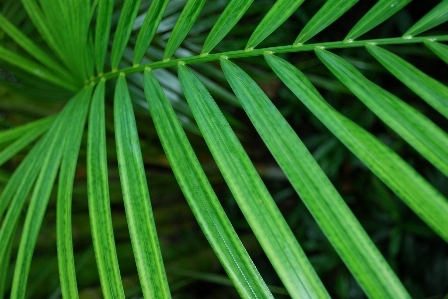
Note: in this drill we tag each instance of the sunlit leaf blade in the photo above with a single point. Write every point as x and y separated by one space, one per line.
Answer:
227 20
183 25
6 137
422 134
254 200
279 13
201 197
439 49
98 197
380 12
145 243
67 274
40 196
28 45
436 16
429 89
34 69
123 31
328 13
149 27
102 31
325 204
418 194
22 142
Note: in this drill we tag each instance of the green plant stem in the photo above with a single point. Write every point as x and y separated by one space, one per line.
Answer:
271 50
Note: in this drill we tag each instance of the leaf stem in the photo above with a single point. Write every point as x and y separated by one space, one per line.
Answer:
272 50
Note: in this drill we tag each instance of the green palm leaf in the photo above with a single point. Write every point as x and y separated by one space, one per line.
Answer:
201 197
113 61
136 198
323 201
253 198
99 205
414 127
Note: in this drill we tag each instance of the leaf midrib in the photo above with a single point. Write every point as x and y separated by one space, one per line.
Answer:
261 51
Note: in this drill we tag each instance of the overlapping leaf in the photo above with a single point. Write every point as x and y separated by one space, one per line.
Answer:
98 196
254 200
278 14
429 89
183 25
139 215
380 12
321 198
201 197
328 13
419 131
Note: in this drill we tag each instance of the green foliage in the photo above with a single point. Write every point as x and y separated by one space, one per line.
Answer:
91 188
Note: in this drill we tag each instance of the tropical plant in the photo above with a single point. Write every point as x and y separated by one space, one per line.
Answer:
76 55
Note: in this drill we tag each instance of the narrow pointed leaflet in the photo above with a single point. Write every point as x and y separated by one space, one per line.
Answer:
201 197
123 31
41 194
328 208
436 16
326 15
183 25
417 193
102 32
380 12
98 197
67 274
22 142
227 20
419 131
254 200
145 243
279 13
149 28
429 89
439 49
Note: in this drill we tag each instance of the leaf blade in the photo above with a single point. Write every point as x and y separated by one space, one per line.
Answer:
183 25
124 28
278 14
233 12
386 164
250 193
64 243
139 215
429 89
102 32
149 28
416 129
380 12
331 212
439 49
436 16
31 48
201 197
326 15
98 199
22 142
40 197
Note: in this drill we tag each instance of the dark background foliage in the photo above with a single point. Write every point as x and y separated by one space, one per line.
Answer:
417 255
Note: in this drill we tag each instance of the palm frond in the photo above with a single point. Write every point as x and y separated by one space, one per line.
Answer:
127 52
